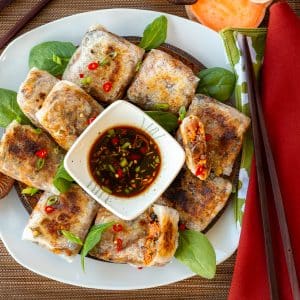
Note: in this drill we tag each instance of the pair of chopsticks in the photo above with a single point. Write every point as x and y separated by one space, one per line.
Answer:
22 22
260 137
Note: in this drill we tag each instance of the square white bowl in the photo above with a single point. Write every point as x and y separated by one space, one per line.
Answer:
123 113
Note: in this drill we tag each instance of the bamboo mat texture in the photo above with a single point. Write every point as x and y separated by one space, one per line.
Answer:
17 282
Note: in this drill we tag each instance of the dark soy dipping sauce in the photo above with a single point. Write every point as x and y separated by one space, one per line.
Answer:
124 161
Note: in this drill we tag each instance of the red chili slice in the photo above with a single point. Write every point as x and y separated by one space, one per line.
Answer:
49 209
143 150
93 66
107 86
182 227
90 120
42 153
200 170
208 137
117 227
119 244
81 75
120 172
134 156
115 141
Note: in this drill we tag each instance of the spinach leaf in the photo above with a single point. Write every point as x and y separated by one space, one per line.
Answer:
51 56
165 119
196 252
92 239
9 109
218 83
155 33
62 180
71 237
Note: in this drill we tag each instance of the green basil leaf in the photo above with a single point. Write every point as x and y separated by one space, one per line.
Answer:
195 251
72 237
30 191
218 83
9 109
182 113
62 180
92 239
51 56
155 33
166 120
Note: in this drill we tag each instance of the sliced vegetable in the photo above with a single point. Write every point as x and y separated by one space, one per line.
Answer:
218 14
161 106
195 251
52 57
92 239
181 113
52 200
30 191
9 109
72 237
40 163
165 119
62 180
155 34
218 83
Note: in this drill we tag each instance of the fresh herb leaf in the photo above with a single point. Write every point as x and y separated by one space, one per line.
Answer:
182 113
161 106
195 251
30 191
165 119
62 180
72 237
155 34
40 163
218 83
52 200
92 239
51 56
9 109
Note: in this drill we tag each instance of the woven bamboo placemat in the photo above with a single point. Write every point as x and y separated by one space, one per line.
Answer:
17 282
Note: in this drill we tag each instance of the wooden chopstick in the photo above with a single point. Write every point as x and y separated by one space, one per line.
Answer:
4 3
20 24
273 286
256 101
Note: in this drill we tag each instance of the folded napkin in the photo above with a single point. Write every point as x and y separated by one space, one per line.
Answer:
281 104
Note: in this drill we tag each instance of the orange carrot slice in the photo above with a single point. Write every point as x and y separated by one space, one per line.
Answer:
219 14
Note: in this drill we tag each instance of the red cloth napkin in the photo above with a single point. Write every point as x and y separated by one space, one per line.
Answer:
281 104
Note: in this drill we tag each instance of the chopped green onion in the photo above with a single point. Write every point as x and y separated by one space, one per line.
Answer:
111 168
137 169
104 61
127 191
72 237
157 160
182 113
86 80
56 150
111 132
161 106
30 191
52 200
37 130
130 164
106 189
138 65
125 145
123 162
40 163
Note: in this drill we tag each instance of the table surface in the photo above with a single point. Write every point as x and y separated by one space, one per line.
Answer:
17 282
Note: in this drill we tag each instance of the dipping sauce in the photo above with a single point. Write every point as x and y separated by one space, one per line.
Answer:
124 161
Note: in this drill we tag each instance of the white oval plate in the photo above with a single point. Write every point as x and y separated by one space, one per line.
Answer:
199 41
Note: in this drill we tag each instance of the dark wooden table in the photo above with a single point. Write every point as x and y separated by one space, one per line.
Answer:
17 282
